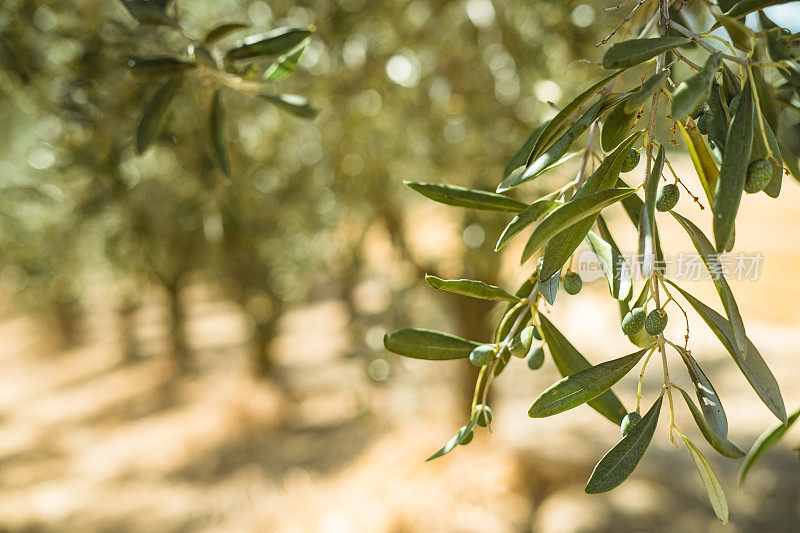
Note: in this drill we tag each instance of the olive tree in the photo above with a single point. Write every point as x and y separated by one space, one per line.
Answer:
688 74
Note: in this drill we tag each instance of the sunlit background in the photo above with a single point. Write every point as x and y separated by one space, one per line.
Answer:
182 351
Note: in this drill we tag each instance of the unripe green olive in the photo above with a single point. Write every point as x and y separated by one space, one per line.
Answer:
655 322
667 197
759 173
573 283
631 161
482 355
535 358
633 321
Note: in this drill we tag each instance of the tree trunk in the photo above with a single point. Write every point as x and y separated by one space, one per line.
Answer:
126 319
179 347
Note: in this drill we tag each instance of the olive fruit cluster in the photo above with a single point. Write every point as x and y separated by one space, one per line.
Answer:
636 319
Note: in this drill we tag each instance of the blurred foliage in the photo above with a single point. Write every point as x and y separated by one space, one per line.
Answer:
424 90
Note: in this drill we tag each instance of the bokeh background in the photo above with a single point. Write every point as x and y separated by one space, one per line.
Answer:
180 351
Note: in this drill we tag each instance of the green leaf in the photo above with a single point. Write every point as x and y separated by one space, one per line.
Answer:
717 122
470 198
637 98
520 159
711 260
733 171
149 12
271 44
710 482
564 216
647 218
719 443
745 7
218 130
291 103
778 45
553 155
765 441
631 53
741 36
427 344
284 65
562 246
155 114
513 309
730 84
223 30
619 123
707 171
706 396
760 151
613 264
751 364
456 440
578 388
765 93
525 218
559 122
469 287
696 89
790 160
569 361
621 460
158 67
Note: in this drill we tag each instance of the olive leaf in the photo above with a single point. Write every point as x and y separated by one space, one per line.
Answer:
790 160
549 287
621 460
576 389
469 287
765 93
741 36
778 47
519 160
284 65
764 442
745 7
513 310
554 154
155 114
223 30
428 344
696 89
149 12
456 440
272 44
760 150
463 197
706 396
291 103
751 363
218 131
733 171
525 218
613 264
569 361
703 163
718 442
631 53
637 98
565 215
710 482
712 263
730 84
561 246
647 217
717 122
557 124
617 126
158 67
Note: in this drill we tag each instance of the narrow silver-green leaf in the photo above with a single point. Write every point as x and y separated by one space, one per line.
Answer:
149 12
696 89
740 35
647 218
519 160
576 389
456 440
706 396
745 7
718 442
155 114
569 361
765 441
470 198
218 130
553 155
284 65
470 287
525 218
428 344
549 287
559 122
760 150
223 30
616 127
631 53
564 244
790 160
733 170
271 44
751 364
293 104
613 264
158 67
637 98
564 216
711 260
717 122
621 460
710 482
